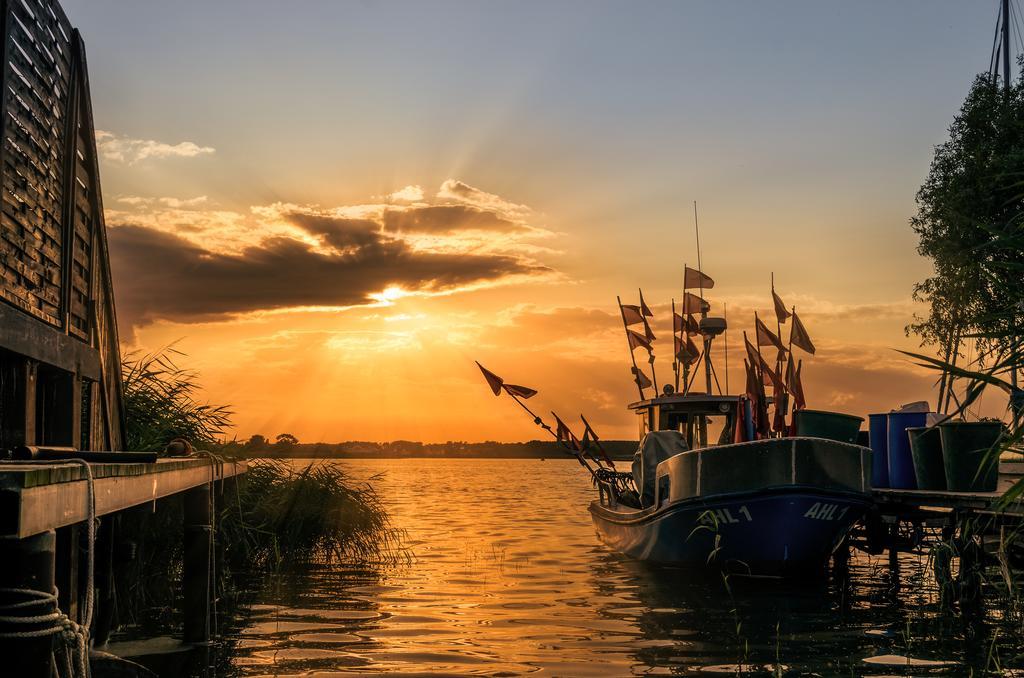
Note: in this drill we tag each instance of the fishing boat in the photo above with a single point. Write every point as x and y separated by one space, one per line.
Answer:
716 482
774 507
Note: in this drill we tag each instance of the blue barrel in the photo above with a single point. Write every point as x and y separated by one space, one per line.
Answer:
878 430
901 461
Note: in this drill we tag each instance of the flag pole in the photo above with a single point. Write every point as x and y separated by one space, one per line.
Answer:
789 348
759 376
650 354
703 313
675 354
540 422
760 360
630 347
725 313
778 324
686 366
694 377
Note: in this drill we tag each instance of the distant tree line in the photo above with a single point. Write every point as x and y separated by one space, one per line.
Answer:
286 445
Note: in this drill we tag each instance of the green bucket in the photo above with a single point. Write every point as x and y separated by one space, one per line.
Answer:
926 451
830 425
966 446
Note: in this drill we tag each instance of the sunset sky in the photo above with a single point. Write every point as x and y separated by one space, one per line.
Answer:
335 207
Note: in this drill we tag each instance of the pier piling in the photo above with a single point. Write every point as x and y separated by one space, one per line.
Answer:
27 565
196 569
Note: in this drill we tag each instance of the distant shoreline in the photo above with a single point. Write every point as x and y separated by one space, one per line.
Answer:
619 450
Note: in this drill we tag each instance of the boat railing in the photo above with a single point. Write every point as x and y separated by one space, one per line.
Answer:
607 494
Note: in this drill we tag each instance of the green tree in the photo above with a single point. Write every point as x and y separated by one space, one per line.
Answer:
969 225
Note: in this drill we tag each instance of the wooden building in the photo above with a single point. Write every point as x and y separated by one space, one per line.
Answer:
60 380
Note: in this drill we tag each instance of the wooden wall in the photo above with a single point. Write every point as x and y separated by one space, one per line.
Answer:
58 328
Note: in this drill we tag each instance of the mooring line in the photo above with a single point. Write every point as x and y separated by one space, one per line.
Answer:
75 636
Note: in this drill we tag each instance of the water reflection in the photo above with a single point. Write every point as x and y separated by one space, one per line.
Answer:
510 580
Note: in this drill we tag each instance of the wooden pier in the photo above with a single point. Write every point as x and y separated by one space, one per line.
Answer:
975 527
37 497
46 544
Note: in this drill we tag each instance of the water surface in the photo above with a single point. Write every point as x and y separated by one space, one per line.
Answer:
509 579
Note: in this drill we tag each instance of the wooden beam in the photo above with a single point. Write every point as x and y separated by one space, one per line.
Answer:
45 497
27 336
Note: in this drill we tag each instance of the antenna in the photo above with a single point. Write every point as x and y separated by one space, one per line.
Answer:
1006 46
1001 44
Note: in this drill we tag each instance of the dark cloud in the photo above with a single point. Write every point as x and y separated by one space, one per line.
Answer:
338 232
160 275
447 219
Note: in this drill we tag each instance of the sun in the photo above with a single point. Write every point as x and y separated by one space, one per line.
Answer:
389 295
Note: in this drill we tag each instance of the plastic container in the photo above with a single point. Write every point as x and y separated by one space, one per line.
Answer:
970 462
901 462
831 425
878 430
926 451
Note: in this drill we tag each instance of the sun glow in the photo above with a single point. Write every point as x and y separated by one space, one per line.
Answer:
390 295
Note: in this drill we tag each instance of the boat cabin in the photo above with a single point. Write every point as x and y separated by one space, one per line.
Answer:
701 418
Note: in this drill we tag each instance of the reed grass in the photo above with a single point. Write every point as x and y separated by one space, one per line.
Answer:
278 516
161 403
283 516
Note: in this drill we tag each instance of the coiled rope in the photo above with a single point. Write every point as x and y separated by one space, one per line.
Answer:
51 619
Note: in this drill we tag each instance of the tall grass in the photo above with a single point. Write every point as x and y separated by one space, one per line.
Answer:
275 516
283 516
160 400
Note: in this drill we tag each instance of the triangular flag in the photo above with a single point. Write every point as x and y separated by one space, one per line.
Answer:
521 391
493 380
752 353
758 400
647 331
687 324
564 435
637 339
692 278
770 377
798 335
765 337
641 378
694 304
692 326
590 435
767 373
797 388
780 308
643 306
686 352
631 315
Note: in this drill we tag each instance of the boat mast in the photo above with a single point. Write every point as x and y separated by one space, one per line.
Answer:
703 310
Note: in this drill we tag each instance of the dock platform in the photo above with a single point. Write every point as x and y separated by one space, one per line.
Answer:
36 497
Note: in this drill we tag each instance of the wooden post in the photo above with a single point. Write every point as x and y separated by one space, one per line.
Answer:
28 564
68 572
894 559
196 574
104 614
31 372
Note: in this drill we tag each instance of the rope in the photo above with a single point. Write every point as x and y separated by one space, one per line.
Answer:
75 636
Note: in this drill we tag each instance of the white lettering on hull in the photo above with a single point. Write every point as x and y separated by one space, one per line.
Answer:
825 511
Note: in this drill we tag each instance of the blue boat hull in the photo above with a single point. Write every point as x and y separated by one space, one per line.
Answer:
770 532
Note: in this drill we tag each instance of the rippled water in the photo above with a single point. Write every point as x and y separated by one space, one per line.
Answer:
509 579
